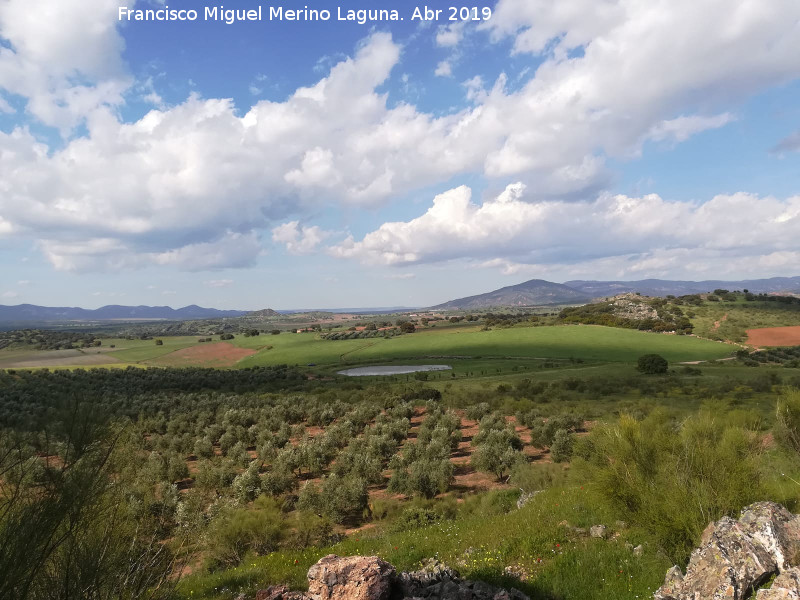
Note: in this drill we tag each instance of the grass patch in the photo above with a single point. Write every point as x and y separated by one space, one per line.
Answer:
556 562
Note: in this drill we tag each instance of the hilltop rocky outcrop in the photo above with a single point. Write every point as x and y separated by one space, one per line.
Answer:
738 557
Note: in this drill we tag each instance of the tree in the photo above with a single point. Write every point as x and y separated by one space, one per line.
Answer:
407 327
561 450
652 364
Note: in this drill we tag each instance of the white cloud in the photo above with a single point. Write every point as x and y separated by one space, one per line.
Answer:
681 129
219 283
10 295
401 276
444 69
449 36
647 234
23 282
299 239
63 64
611 75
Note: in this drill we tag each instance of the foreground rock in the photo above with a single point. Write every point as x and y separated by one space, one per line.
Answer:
351 577
737 557
370 578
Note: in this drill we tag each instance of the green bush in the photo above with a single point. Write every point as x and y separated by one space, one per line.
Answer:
672 479
652 364
561 450
533 477
414 518
235 532
787 421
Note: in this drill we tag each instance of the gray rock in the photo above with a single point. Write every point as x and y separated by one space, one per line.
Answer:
598 531
526 497
638 550
737 556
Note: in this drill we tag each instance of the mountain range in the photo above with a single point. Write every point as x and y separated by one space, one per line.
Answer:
538 292
112 312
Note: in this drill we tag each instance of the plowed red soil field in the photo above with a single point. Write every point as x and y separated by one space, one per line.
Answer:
774 336
219 354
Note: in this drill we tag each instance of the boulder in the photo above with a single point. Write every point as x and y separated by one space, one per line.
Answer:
350 578
736 557
598 531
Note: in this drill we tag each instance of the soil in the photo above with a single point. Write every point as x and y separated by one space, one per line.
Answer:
218 354
774 336
718 323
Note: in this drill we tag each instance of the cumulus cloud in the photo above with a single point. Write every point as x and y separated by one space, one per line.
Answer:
203 177
63 65
646 234
444 69
297 238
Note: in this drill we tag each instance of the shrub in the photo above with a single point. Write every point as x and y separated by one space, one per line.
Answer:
414 518
787 426
652 364
531 478
673 480
237 531
561 450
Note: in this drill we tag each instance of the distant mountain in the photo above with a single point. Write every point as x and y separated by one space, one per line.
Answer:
33 313
535 292
662 287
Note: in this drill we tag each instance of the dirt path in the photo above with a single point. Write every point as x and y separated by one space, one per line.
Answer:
718 323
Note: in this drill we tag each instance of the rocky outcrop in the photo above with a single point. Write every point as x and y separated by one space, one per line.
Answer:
370 578
737 557
436 580
350 577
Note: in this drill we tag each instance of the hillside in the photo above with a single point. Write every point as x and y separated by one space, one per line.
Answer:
663 287
535 292
264 312
34 313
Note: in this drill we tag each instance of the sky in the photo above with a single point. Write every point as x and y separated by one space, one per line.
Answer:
304 164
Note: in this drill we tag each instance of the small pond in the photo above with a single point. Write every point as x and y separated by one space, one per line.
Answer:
392 370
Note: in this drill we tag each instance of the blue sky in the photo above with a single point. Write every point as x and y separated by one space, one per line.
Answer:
324 164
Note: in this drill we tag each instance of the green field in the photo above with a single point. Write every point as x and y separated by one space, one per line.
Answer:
564 342
465 347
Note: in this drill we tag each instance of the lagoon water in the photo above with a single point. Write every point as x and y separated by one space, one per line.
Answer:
392 370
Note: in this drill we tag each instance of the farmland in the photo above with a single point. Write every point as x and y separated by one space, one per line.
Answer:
467 346
247 458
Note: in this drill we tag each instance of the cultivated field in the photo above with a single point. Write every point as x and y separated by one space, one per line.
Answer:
561 342
774 336
466 348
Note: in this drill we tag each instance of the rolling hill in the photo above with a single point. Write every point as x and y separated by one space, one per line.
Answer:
536 292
